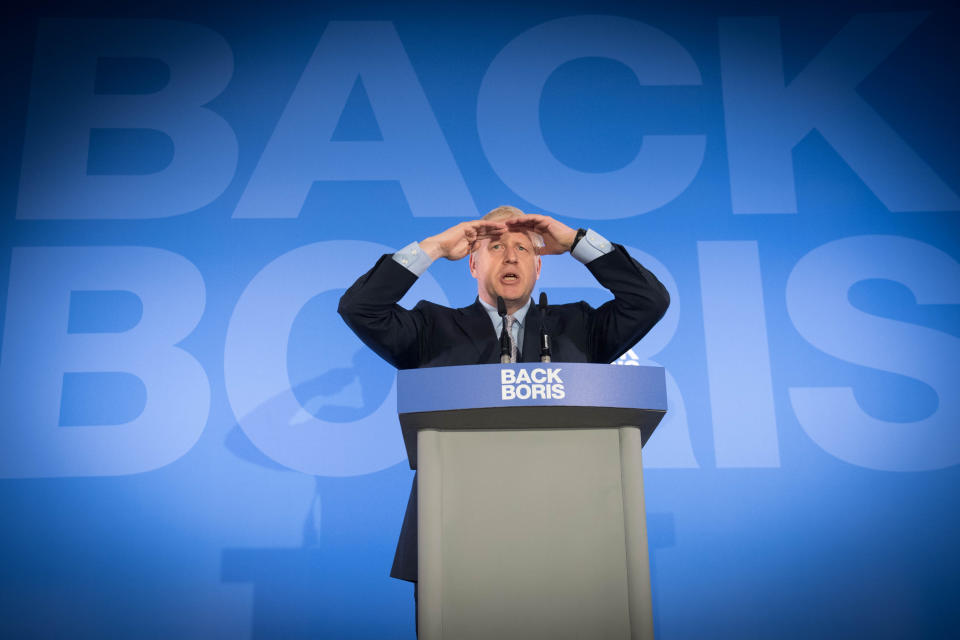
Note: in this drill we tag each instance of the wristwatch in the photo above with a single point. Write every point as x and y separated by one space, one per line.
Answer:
580 233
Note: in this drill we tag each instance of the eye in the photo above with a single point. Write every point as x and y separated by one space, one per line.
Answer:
520 247
496 246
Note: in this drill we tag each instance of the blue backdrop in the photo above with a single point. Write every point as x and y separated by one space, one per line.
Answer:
192 444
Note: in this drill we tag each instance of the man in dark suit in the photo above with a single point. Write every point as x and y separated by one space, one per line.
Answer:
504 250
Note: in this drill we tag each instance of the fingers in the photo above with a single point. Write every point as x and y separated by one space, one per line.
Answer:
557 237
487 228
530 221
480 229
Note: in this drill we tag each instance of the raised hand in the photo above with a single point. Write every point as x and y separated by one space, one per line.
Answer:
557 237
457 241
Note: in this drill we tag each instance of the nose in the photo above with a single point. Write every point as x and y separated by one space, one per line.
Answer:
510 254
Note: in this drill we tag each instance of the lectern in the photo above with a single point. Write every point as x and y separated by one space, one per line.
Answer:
531 512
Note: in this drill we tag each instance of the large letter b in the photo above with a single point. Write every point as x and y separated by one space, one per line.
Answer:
38 349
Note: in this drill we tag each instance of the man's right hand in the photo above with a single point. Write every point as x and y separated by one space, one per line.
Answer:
457 241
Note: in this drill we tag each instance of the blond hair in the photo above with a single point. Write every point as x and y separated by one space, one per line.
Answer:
504 212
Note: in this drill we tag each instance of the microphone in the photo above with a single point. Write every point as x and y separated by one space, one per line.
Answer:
505 348
545 355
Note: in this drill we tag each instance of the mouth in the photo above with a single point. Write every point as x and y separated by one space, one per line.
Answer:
510 277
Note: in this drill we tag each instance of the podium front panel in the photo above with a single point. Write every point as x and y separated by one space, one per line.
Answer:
533 534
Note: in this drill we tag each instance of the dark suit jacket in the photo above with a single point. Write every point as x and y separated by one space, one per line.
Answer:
431 335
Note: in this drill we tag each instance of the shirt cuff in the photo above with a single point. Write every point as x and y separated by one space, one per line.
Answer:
414 258
591 246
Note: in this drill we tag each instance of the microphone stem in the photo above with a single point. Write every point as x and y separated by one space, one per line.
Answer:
506 352
545 353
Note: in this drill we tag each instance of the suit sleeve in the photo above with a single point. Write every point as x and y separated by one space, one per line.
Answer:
370 308
639 301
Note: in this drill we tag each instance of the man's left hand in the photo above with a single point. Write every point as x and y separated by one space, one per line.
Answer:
557 237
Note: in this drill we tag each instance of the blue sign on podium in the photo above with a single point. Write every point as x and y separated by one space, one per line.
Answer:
533 395
571 384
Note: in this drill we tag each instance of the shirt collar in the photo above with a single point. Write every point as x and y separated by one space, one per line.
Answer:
519 315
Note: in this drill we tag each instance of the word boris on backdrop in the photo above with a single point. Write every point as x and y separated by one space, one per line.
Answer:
40 348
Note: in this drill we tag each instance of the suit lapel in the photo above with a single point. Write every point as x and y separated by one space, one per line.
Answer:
475 323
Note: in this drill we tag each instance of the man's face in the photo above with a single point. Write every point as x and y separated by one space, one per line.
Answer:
506 266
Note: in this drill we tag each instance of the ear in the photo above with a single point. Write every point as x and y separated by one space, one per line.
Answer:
473 264
539 264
